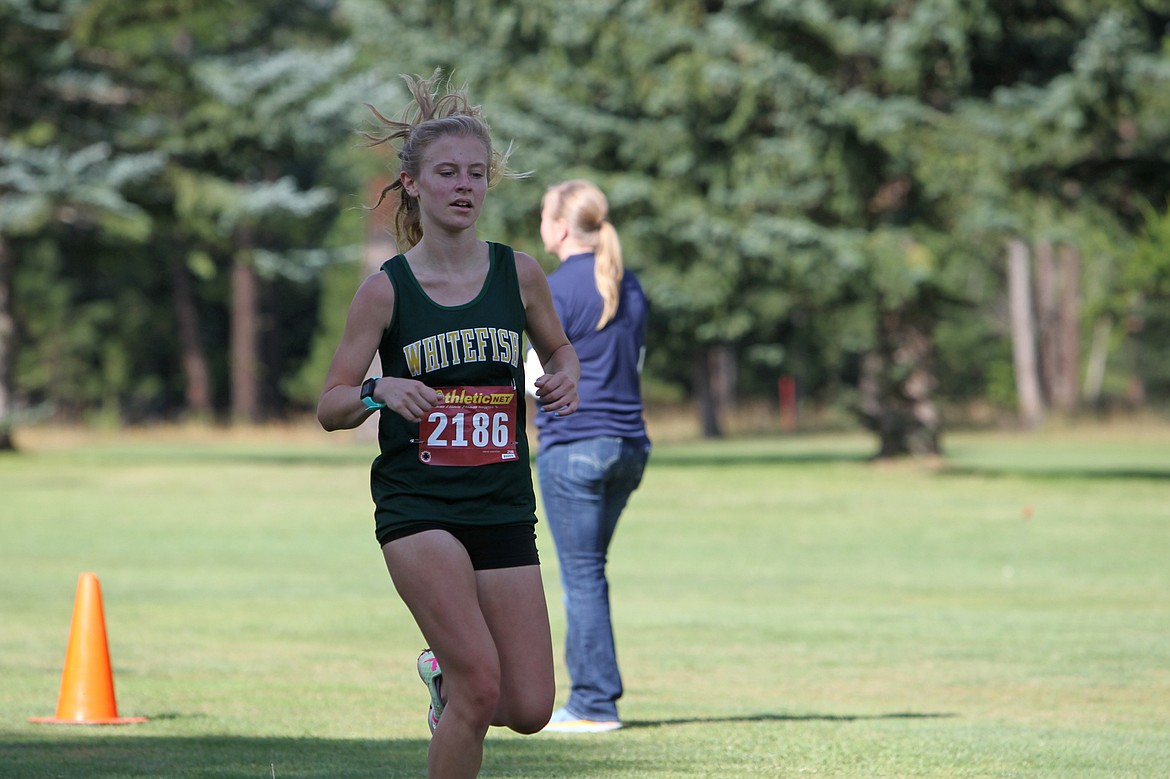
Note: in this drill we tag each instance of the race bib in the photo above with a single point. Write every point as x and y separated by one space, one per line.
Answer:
470 426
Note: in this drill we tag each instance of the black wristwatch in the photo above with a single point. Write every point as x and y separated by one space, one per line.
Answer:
368 394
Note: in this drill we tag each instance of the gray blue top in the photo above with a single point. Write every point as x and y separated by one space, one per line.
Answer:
610 386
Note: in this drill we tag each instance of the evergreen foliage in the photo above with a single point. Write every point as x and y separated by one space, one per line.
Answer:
817 189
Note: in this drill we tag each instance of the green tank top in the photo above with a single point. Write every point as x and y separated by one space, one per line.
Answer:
477 344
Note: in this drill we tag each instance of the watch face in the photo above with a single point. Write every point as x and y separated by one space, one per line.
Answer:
368 388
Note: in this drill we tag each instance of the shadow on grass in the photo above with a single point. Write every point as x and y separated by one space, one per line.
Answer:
120 754
1072 473
909 715
114 754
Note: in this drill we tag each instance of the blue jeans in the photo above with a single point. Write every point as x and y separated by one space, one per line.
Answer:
584 486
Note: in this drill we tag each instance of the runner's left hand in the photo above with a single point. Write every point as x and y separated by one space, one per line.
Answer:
556 393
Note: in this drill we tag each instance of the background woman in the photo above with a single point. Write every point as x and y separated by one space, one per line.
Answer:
591 462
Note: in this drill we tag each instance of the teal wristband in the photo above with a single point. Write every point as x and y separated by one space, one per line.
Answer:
368 394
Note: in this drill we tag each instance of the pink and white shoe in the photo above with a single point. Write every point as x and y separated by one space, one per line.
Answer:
432 677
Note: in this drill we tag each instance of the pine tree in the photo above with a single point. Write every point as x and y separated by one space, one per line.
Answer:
48 177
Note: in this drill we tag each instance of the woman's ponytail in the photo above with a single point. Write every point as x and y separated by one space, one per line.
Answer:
607 272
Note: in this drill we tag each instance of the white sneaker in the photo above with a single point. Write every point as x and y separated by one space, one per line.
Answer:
565 721
432 676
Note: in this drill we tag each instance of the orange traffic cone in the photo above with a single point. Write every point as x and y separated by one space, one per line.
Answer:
87 684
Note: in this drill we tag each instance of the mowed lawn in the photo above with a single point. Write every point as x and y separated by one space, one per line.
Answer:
784 608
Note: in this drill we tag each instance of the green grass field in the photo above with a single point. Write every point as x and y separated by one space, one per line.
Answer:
784 608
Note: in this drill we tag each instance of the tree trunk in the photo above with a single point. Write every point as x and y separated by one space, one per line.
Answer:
724 372
1068 337
193 358
1046 308
897 384
1135 389
1098 357
7 347
1058 311
244 340
706 395
1031 406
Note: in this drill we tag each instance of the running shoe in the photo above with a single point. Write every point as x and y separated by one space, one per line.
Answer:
432 677
565 721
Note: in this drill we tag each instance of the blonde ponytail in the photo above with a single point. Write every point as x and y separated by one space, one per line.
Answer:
584 208
607 272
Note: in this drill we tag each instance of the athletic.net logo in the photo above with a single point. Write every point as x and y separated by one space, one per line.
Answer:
470 426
